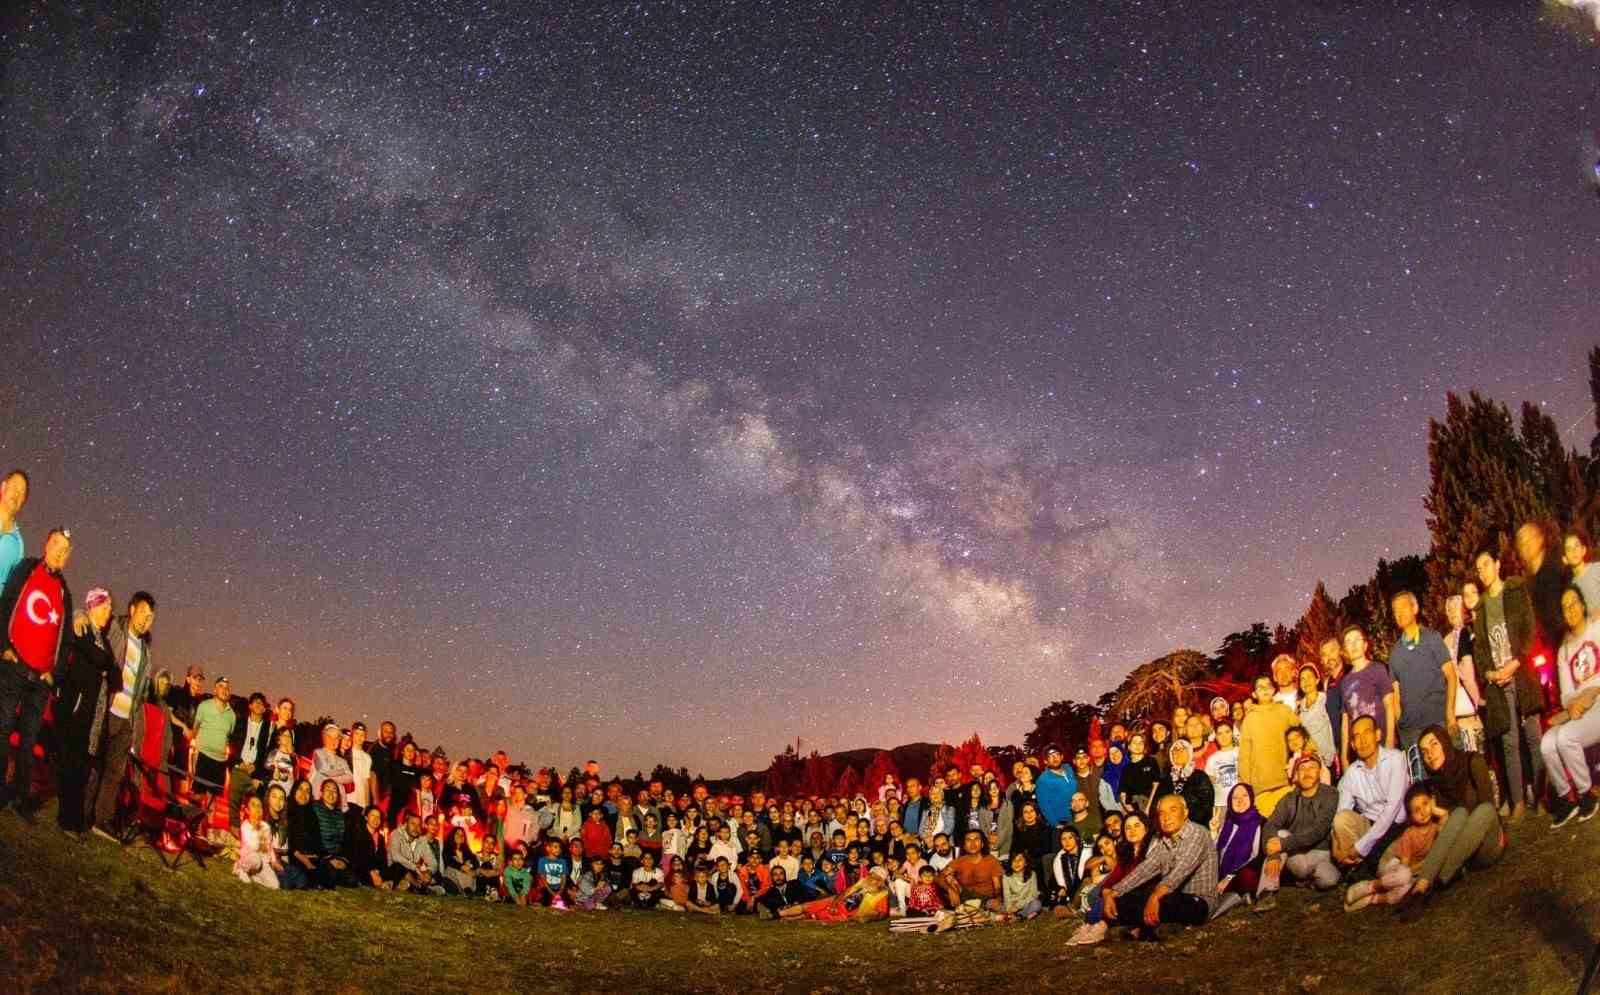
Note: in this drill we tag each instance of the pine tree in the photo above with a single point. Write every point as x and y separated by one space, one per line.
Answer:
785 774
1480 488
821 774
1556 473
1320 622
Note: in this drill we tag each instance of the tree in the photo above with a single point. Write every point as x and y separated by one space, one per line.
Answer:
849 783
785 775
1557 475
942 758
820 775
1159 686
1245 654
1061 722
882 766
972 753
1319 623
1481 486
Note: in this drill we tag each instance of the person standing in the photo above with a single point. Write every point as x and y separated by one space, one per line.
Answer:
1331 653
1469 696
1503 634
13 495
328 765
1055 788
1575 557
1263 750
1545 580
129 639
80 710
250 746
1367 690
1424 677
214 721
34 607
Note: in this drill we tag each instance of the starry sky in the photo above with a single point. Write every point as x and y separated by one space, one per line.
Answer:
664 382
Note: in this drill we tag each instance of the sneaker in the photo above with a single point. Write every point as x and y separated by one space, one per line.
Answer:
1266 903
1588 806
105 835
1088 935
1562 812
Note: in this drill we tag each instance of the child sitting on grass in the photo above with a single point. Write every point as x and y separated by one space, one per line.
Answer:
1019 890
516 881
927 899
1404 856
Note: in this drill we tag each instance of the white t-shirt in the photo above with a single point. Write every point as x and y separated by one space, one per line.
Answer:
361 767
1223 769
1578 662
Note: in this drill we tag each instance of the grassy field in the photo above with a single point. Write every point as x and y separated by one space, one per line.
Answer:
89 917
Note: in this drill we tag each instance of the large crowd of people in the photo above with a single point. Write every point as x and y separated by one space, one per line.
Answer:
1388 779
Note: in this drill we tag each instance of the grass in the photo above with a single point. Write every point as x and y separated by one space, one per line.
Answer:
90 917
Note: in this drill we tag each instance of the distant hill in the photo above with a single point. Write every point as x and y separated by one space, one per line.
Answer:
909 759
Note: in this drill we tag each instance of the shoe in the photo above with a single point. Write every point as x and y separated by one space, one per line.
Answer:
1266 903
105 835
1562 812
1088 935
1588 806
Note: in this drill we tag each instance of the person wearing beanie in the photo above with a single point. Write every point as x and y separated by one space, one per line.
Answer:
82 694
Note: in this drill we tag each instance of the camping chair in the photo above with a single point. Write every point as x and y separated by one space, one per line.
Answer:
167 820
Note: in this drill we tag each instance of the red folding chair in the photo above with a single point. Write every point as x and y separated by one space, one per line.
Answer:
168 820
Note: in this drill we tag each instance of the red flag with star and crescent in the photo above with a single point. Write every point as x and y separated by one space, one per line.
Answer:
36 622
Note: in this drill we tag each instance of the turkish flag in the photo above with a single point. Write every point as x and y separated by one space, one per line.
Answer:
36 622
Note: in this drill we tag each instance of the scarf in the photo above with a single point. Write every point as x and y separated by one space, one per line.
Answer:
1453 781
1181 775
1236 844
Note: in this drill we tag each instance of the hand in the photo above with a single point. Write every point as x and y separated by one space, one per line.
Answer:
1152 911
80 623
1108 901
1453 727
49 679
8 656
1274 846
1577 708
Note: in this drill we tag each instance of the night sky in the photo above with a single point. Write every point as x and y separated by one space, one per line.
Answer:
664 382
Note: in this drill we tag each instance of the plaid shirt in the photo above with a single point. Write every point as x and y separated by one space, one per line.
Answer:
1185 861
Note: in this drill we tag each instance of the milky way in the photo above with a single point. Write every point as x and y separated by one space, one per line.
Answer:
649 382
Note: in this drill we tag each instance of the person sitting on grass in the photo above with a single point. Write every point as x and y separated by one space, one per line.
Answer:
648 882
727 884
1297 835
926 898
594 889
516 881
291 875
1239 850
864 901
1064 872
1372 801
781 893
1176 882
1019 891
813 878
754 880
703 898
256 862
409 851
1402 859
552 872
461 865
971 884
1471 835
369 853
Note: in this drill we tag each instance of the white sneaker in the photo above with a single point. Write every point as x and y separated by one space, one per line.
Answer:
1088 934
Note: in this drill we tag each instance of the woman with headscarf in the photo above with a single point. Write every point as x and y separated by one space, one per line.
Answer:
1188 782
80 709
1471 834
1238 850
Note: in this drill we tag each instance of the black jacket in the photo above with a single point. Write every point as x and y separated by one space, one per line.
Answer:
87 673
264 742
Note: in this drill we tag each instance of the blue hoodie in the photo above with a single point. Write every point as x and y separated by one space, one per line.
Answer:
1053 791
